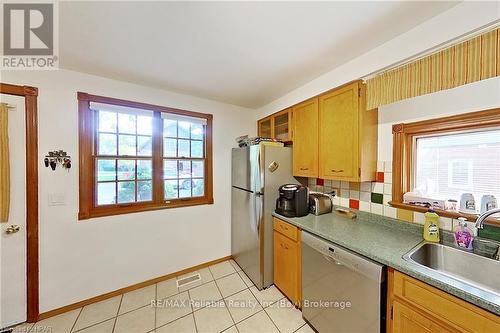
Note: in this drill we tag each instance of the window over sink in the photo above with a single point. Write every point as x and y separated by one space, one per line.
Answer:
138 157
447 165
439 159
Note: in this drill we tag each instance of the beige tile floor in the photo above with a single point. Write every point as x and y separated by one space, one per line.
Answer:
224 300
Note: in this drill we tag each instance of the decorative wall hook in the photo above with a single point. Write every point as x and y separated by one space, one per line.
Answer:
53 158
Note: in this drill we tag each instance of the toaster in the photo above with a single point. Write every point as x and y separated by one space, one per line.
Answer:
319 203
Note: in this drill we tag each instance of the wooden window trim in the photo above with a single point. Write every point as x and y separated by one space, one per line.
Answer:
402 158
88 208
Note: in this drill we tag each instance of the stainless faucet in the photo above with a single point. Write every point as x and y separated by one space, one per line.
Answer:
484 216
496 256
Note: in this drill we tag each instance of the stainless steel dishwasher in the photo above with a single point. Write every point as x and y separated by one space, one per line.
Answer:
342 291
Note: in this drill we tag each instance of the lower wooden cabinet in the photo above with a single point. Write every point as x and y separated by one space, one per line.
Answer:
287 260
415 307
406 320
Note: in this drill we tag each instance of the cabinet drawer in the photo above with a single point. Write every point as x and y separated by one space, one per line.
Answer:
286 229
454 311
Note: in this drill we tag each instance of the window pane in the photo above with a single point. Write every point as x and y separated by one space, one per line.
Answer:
185 188
170 128
144 145
126 192
145 125
196 148
126 145
448 165
107 144
170 147
171 189
126 169
126 123
144 191
183 148
184 169
184 129
107 121
196 131
106 170
170 169
144 169
198 169
198 188
106 193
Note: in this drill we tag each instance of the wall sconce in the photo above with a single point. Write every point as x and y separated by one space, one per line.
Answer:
57 157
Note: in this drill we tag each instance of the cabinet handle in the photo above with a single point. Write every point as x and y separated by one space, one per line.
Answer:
304 168
341 170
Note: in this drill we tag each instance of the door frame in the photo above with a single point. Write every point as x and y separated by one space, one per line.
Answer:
30 95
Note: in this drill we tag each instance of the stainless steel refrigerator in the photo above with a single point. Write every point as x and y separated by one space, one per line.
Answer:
257 173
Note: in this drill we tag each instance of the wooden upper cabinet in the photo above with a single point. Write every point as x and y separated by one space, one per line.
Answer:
305 139
265 127
282 125
277 126
347 135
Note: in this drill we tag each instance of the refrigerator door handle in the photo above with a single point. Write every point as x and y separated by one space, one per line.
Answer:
258 211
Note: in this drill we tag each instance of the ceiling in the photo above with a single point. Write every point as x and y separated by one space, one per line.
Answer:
242 53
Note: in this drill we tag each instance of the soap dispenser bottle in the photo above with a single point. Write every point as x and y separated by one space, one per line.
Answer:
463 235
431 226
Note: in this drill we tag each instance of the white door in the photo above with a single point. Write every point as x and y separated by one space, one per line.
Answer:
13 246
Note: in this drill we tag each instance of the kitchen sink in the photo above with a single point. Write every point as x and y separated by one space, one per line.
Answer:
467 267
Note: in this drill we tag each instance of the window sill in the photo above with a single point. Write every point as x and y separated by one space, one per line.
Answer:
140 208
443 213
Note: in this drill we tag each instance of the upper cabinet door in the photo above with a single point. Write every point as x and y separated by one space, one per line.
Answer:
305 139
265 127
339 133
282 125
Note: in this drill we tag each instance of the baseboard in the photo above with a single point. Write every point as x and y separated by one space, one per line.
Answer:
120 291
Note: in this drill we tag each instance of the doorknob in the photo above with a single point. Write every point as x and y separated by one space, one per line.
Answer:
12 229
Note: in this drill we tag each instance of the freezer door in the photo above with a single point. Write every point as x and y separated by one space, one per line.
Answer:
240 176
246 233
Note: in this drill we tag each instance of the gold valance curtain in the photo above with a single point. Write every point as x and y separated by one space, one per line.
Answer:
4 164
472 60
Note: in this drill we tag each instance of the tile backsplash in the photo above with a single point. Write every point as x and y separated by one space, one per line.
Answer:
370 197
374 197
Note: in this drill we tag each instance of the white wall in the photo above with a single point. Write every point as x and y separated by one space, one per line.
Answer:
82 259
455 22
477 96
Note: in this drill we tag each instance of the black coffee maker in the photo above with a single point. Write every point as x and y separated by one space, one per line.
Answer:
293 200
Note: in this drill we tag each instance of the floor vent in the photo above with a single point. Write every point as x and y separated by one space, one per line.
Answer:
188 280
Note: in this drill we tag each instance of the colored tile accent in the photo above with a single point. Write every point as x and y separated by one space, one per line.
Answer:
354 186
378 198
354 204
320 182
380 177
405 215
490 231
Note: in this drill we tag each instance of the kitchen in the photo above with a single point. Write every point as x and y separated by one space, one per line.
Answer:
357 196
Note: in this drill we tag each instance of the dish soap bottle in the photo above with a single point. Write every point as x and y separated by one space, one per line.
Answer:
431 226
463 235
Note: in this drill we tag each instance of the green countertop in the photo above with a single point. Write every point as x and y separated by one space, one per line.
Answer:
386 240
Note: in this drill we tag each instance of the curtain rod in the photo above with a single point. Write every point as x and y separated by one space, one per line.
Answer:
438 48
9 106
